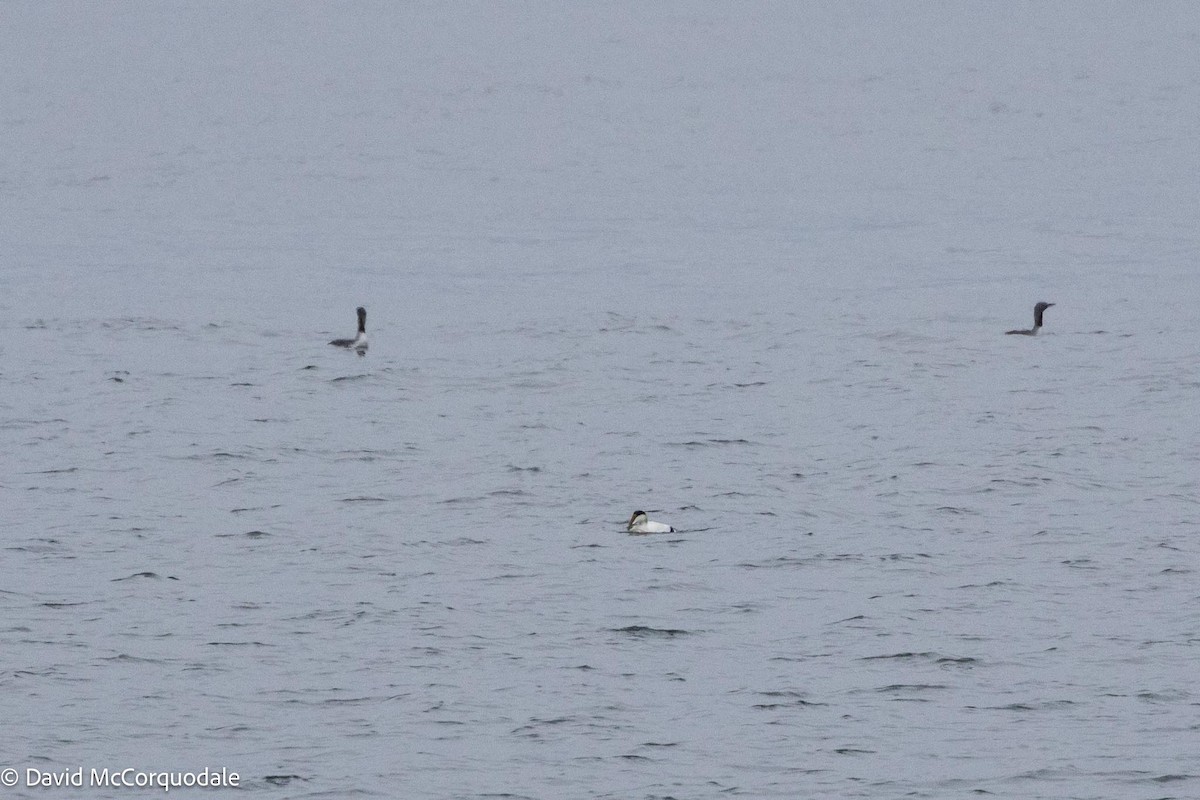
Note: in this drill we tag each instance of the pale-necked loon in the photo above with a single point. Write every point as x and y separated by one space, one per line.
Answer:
359 342
1037 320
640 523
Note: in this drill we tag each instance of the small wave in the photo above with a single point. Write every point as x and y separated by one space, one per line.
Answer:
934 658
780 561
784 699
990 585
647 631
125 657
139 324
906 656
904 688
349 701
1044 706
710 442
153 575
532 726
214 454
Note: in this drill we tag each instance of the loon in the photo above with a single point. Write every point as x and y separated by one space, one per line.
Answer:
640 523
359 342
1037 320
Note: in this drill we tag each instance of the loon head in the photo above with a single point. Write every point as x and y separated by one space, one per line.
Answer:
362 318
1037 313
638 518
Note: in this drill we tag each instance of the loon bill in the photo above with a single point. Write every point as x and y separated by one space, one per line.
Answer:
1038 310
359 342
640 523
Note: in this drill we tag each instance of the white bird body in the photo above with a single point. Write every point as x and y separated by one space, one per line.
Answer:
640 523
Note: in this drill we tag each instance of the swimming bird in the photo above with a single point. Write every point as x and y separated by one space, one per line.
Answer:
359 342
640 523
1037 320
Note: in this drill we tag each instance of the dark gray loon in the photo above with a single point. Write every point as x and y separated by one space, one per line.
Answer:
359 342
1037 320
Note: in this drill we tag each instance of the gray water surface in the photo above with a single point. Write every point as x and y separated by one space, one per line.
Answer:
746 267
